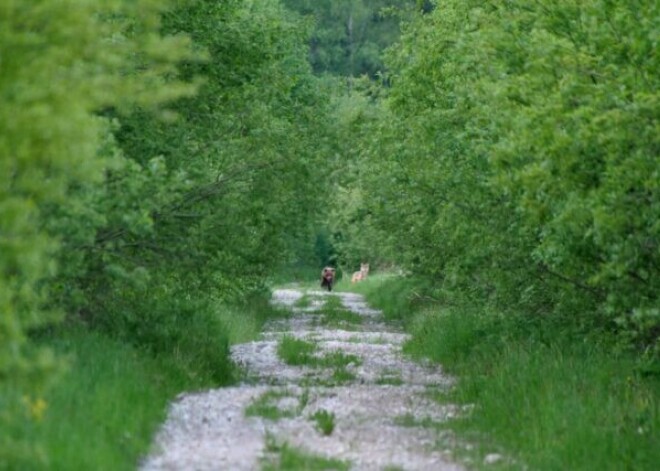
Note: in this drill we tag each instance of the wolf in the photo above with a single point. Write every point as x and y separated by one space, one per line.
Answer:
362 274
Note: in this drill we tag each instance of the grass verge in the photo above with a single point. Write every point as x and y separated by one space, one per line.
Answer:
546 395
561 403
102 412
395 296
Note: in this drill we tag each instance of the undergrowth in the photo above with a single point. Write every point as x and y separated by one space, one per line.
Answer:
104 408
546 394
102 413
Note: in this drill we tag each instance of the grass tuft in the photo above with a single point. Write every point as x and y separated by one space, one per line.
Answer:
325 421
296 352
389 380
303 302
292 459
266 406
338 359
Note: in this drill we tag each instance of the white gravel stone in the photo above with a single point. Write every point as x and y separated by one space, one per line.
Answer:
492 458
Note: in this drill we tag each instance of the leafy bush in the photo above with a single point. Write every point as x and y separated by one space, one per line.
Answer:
59 69
135 219
190 331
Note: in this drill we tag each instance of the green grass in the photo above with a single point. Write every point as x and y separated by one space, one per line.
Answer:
409 420
391 380
103 412
395 296
303 302
545 395
556 401
291 459
334 314
266 406
342 375
338 359
325 421
244 323
339 363
333 303
297 352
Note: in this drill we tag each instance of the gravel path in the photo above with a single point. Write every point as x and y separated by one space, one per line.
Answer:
380 401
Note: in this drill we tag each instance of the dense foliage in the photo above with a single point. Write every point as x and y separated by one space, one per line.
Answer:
516 164
61 62
156 159
509 166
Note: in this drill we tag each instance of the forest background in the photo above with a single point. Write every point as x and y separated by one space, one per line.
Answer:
163 163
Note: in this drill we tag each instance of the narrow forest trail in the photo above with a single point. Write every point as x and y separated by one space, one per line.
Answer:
344 371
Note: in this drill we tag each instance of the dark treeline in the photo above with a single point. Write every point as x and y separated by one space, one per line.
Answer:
349 36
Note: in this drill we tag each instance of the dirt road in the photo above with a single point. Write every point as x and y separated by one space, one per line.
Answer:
327 388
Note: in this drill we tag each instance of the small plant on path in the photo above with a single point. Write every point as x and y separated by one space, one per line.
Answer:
409 420
266 406
304 400
325 421
389 380
303 302
338 359
296 352
342 375
333 313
